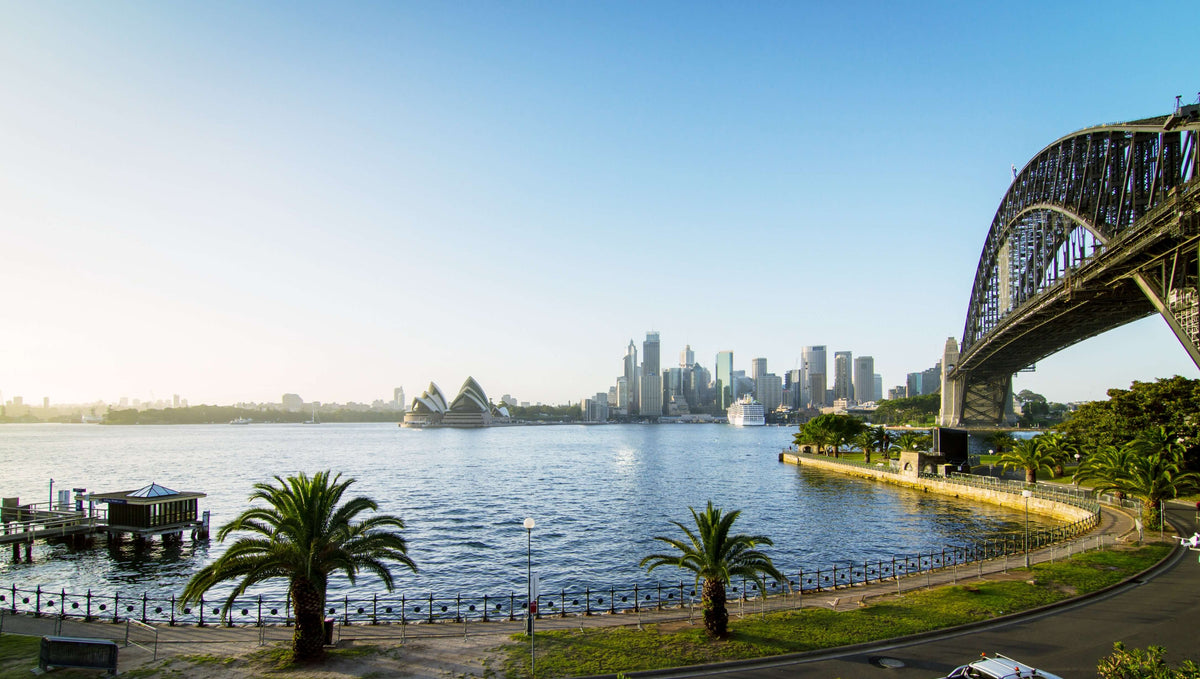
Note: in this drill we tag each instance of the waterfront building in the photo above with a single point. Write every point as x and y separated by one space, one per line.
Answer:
877 387
843 384
595 409
427 409
864 379
470 409
292 403
650 401
724 372
813 376
623 394
398 400
899 391
768 390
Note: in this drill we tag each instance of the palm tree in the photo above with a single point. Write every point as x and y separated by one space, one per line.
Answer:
1154 472
865 442
1103 465
716 557
882 440
1060 449
1029 455
1001 441
911 440
302 534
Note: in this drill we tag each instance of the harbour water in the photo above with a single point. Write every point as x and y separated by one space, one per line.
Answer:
598 494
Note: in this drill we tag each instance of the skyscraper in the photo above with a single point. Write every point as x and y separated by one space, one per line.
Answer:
813 382
687 357
843 379
650 398
864 379
650 363
791 383
724 396
758 368
631 377
768 390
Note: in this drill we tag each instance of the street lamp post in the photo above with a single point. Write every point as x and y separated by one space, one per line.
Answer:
530 606
1026 494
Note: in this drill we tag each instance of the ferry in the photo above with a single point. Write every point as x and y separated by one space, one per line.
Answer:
746 412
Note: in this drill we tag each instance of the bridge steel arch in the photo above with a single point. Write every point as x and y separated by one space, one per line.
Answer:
1100 228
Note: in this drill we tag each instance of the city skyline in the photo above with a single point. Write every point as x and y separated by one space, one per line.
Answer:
232 203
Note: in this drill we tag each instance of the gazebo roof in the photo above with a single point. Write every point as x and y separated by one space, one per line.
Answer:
153 490
146 495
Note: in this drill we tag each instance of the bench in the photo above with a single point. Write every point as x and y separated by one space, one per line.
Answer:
98 654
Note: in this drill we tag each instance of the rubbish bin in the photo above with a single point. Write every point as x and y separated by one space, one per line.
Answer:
329 631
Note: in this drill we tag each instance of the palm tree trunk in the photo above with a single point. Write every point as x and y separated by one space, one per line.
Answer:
308 643
716 618
1030 476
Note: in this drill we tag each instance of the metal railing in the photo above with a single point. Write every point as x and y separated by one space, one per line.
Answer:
579 601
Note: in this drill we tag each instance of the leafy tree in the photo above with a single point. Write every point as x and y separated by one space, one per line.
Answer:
815 434
916 410
832 430
1172 403
1029 455
1143 664
304 535
1154 472
716 557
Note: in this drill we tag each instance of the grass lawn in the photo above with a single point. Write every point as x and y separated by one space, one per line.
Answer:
611 650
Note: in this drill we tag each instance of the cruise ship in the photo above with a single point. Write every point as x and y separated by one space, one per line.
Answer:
746 412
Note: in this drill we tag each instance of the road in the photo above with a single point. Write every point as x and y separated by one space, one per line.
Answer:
1162 608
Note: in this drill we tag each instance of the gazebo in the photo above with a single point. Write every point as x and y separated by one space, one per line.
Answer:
153 510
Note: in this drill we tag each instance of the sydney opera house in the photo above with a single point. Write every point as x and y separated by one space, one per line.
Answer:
468 410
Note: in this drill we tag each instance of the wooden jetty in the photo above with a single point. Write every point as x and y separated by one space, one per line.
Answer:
142 513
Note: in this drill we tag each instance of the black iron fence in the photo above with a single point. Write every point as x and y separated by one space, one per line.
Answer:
430 608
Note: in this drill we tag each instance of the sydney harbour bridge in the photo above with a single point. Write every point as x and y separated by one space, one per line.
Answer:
1100 228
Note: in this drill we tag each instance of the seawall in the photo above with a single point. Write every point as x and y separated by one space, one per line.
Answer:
1061 511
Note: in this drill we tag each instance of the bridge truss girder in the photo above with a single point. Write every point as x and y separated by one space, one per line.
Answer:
1100 229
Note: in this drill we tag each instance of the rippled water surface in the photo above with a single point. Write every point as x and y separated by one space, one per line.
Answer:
599 495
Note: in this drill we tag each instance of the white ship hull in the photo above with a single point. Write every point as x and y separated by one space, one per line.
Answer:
746 413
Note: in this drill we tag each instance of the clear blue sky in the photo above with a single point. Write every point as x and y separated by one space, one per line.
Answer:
230 201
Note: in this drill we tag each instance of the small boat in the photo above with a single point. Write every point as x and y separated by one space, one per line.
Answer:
241 420
315 419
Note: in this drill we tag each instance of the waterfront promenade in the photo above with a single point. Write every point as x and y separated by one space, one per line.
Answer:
450 649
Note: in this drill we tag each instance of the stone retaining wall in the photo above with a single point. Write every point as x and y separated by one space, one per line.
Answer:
1045 507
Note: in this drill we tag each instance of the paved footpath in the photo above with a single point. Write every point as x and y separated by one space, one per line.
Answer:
1066 640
